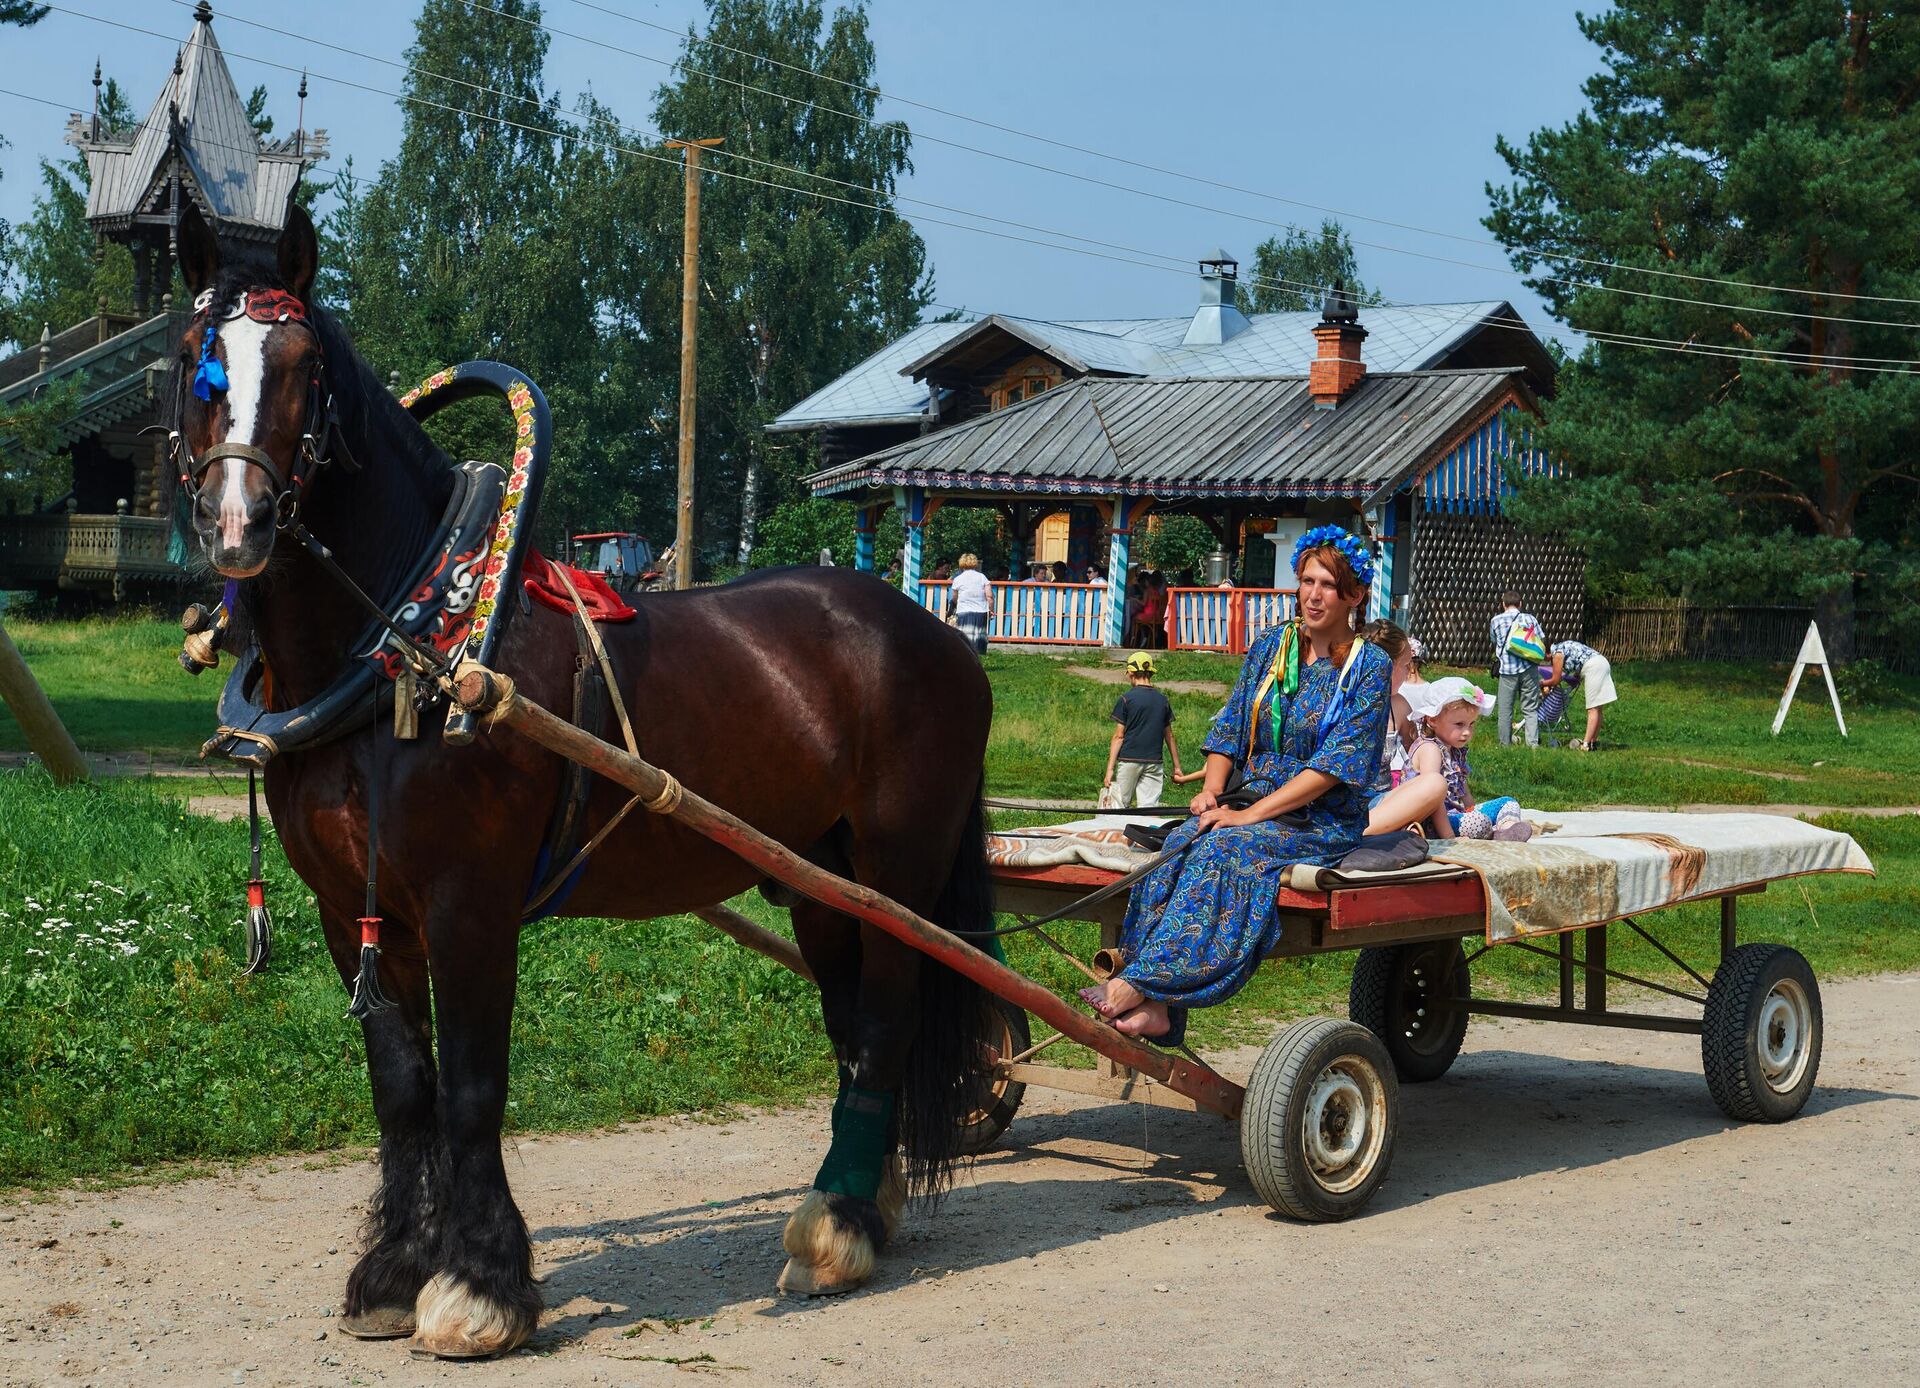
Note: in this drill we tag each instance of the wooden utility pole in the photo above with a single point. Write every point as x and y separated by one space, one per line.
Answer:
46 734
689 360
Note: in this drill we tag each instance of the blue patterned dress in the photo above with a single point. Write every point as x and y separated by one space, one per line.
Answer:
1198 926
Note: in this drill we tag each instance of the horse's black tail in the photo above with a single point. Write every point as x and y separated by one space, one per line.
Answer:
945 1079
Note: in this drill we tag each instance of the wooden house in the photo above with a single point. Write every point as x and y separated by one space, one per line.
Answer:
196 147
1405 428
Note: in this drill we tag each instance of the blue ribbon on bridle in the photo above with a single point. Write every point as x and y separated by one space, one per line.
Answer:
208 375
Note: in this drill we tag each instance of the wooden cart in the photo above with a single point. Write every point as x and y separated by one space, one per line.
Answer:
1318 1114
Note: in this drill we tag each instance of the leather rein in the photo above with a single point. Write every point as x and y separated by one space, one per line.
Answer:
321 439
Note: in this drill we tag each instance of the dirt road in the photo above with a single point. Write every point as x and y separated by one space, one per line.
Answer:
1567 1207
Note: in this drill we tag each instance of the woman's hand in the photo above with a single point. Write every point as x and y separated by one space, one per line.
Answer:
1203 802
1221 817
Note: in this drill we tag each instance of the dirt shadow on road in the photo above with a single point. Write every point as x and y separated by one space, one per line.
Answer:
1064 1180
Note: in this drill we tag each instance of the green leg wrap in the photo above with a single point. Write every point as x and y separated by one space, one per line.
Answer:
861 1120
997 947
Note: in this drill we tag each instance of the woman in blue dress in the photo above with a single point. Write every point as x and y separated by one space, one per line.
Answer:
1304 725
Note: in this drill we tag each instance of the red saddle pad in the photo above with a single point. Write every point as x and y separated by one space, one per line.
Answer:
602 603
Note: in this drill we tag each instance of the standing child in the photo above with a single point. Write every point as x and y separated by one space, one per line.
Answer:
1143 724
1445 713
1519 646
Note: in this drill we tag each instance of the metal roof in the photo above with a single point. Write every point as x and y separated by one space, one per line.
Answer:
1196 436
243 181
876 391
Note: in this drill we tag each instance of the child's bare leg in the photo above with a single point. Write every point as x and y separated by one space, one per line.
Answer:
1408 804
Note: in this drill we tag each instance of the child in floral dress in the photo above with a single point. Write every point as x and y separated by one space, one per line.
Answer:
1444 713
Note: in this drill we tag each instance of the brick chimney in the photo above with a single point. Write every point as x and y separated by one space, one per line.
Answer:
1337 368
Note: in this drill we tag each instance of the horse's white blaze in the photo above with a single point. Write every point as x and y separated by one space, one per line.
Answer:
246 344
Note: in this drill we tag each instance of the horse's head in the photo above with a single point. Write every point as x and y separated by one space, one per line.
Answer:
253 405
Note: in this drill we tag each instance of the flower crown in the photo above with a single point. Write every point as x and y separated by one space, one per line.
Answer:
1348 543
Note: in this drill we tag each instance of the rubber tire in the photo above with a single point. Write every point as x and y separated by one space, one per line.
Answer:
1729 1033
1275 1105
995 1118
1375 1001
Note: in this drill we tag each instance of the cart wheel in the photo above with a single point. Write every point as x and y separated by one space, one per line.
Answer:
1316 1131
1760 1036
1000 1099
1411 997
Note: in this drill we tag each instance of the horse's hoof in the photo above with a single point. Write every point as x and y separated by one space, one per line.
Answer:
456 1321
800 1279
379 1323
831 1245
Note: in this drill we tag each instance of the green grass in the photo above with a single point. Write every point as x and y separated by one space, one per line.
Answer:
1681 734
116 685
127 1037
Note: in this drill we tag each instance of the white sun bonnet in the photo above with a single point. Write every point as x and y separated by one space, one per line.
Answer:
1425 700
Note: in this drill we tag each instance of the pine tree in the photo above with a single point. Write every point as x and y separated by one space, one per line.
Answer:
21 12
1770 143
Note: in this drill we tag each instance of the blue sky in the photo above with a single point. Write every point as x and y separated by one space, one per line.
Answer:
1388 110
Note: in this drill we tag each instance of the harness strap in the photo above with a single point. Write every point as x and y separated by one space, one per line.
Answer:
600 654
558 879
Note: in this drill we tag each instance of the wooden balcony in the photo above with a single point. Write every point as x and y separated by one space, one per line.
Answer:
78 552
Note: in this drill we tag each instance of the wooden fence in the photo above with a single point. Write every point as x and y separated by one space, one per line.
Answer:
1047 614
1677 630
1224 619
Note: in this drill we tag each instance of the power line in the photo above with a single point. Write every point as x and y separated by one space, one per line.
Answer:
1492 321
1035 136
1784 353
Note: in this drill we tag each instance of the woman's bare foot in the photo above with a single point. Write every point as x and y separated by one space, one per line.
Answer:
1122 997
1145 1021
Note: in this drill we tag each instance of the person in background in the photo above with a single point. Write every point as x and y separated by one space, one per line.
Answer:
1153 609
1518 646
1142 726
1577 664
970 602
1136 595
1094 575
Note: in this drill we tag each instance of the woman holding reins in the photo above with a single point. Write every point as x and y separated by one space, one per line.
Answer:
1303 728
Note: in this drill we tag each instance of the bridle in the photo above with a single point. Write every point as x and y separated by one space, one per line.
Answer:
319 441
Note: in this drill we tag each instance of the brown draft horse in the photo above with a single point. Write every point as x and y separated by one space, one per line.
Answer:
819 704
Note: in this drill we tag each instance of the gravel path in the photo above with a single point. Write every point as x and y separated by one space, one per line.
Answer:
1567 1206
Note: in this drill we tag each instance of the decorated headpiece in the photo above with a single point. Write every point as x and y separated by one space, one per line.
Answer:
1349 544
1426 700
261 305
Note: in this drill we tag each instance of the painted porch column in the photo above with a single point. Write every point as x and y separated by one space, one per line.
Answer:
1380 599
866 522
1117 557
914 507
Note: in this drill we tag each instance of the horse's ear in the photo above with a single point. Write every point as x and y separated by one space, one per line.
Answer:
199 252
299 253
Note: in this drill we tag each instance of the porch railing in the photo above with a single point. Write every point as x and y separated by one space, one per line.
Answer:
75 550
1224 619
1048 614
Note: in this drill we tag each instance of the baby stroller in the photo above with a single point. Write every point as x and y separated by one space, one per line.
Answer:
1555 730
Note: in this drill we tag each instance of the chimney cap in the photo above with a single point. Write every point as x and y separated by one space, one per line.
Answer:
1223 261
1339 306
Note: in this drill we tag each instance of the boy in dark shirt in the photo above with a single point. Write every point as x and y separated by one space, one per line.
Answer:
1143 724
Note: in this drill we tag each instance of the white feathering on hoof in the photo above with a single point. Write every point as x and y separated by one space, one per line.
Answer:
824 1256
892 1195
456 1322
